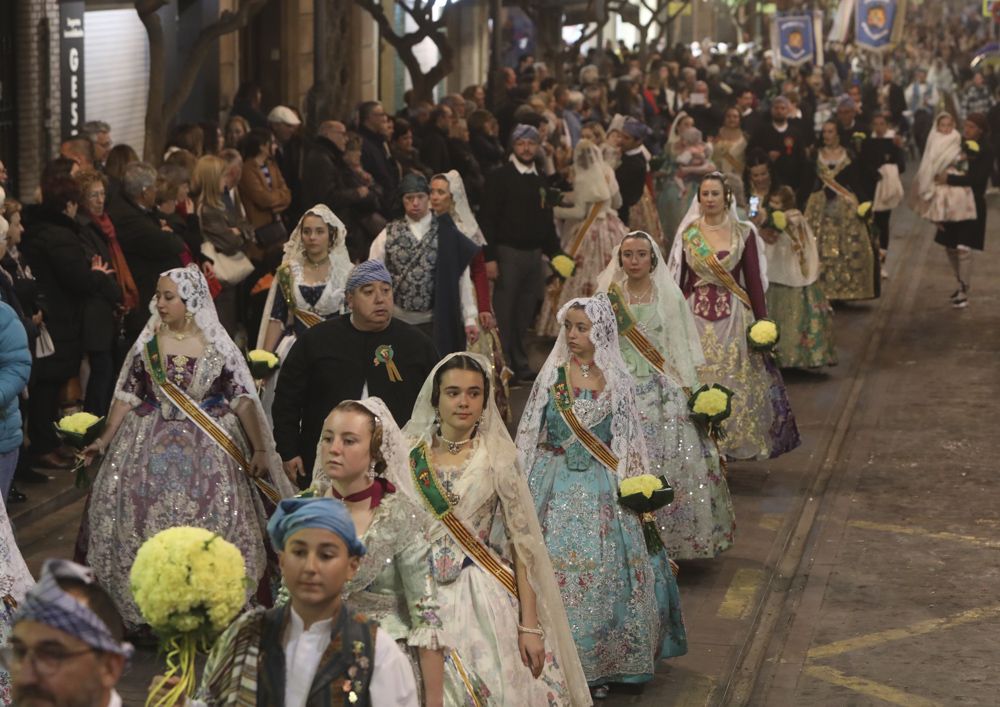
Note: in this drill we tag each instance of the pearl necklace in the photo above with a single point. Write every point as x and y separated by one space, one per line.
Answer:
316 266
638 299
584 367
453 447
178 336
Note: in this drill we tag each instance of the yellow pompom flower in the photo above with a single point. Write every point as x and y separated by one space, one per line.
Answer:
764 332
645 484
262 356
711 402
779 220
859 136
564 265
78 423
864 209
972 145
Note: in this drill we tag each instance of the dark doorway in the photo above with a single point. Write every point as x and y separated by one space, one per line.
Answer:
260 53
8 92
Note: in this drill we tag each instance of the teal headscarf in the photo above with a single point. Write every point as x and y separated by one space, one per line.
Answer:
295 514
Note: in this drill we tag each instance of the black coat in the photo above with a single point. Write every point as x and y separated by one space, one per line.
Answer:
631 176
463 160
487 150
149 251
434 149
791 168
100 310
377 161
53 248
970 233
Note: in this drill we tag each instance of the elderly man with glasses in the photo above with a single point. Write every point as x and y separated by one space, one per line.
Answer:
66 648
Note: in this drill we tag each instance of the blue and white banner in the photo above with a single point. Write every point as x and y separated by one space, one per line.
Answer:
796 39
878 23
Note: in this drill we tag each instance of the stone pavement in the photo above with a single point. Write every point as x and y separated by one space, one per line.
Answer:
865 563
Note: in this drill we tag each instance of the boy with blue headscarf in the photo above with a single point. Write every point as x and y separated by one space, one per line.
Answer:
313 651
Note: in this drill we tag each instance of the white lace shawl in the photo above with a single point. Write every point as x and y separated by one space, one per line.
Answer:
679 341
940 153
461 211
694 213
193 290
495 469
627 441
332 299
394 451
590 178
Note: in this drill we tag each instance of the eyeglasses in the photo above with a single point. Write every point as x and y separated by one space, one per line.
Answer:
45 660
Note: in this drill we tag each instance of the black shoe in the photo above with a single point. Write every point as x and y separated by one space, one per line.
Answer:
29 476
16 496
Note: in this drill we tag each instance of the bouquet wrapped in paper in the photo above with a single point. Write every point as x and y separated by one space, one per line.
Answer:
262 363
645 494
78 431
710 406
189 583
763 335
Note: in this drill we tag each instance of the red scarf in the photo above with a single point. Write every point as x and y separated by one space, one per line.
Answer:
130 293
376 492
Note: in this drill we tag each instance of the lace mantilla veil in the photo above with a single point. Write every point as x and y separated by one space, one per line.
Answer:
679 340
340 266
693 214
394 451
193 290
495 460
627 441
461 211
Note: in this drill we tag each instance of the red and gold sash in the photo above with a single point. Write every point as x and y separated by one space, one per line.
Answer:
200 418
308 319
701 252
564 404
427 483
829 178
628 329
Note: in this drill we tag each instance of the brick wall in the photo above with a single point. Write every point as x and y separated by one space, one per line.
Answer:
38 89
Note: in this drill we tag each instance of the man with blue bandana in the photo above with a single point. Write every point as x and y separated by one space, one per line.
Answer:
313 651
66 648
348 358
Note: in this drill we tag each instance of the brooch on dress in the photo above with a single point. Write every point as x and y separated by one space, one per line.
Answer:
384 354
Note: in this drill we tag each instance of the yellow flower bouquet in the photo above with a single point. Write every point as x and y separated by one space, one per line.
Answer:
189 584
864 210
710 406
763 335
262 363
645 494
972 147
563 265
77 431
779 220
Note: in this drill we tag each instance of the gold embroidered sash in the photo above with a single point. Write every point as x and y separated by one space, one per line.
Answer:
701 253
200 418
431 491
564 404
829 178
308 319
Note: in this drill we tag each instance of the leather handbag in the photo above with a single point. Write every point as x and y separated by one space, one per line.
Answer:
229 269
271 235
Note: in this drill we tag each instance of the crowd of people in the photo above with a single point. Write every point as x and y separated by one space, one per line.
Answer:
638 217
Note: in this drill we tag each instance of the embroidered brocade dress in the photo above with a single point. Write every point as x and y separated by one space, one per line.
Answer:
484 614
162 471
15 581
848 254
761 425
604 233
394 586
699 522
622 603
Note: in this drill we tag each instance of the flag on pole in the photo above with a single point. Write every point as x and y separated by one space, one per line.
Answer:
878 24
796 40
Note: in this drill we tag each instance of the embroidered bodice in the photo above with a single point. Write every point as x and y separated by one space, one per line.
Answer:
593 412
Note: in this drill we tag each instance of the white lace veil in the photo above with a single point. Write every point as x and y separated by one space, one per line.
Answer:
394 451
627 441
193 290
679 341
940 153
672 136
461 211
340 263
496 452
590 178
693 214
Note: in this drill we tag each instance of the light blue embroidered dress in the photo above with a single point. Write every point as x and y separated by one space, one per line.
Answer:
622 603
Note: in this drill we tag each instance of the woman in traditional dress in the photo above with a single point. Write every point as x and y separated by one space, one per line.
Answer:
730 144
590 229
494 577
185 442
308 287
848 255
795 299
717 261
643 214
671 203
360 450
15 581
580 435
660 346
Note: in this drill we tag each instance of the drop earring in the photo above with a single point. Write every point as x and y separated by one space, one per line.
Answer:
371 471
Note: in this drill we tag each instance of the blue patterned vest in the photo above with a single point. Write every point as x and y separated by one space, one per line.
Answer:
412 264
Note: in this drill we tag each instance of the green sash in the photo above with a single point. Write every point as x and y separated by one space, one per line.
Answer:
703 254
564 404
199 417
437 502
